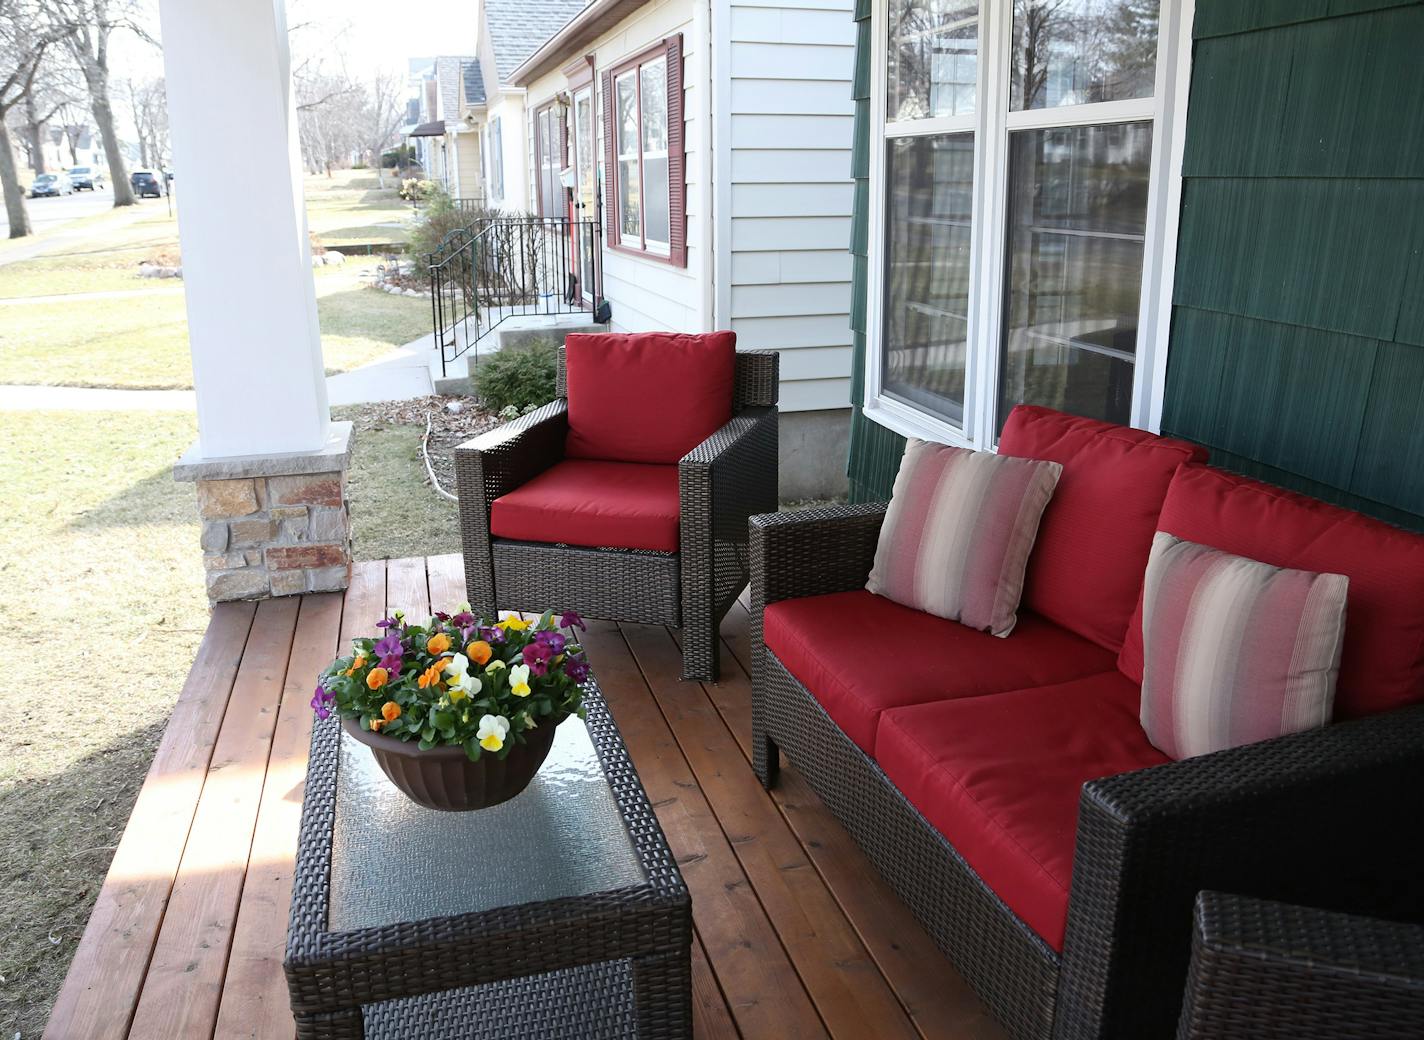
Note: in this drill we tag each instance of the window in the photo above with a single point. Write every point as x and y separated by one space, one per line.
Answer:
644 156
550 140
496 163
1018 200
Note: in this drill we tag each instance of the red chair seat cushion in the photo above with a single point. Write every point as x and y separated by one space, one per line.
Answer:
619 505
1000 778
860 654
650 397
1382 660
1086 569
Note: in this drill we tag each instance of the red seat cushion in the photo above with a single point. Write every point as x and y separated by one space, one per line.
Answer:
1382 662
620 505
1086 569
650 397
860 654
1000 778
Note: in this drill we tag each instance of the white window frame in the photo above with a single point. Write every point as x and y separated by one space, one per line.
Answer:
991 124
496 134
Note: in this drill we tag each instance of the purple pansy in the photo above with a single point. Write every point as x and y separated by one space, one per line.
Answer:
571 620
537 651
391 663
390 646
321 700
576 667
463 620
553 640
387 622
492 634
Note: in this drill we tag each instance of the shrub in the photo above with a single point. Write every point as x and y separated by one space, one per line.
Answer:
439 218
518 379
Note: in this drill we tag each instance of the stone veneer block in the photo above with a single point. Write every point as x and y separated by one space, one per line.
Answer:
274 525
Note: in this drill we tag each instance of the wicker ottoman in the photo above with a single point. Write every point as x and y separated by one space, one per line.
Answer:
560 913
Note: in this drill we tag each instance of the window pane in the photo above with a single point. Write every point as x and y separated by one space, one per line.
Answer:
1077 217
934 58
928 220
1073 52
630 224
655 151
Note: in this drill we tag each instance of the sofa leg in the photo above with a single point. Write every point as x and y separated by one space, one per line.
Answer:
766 759
700 653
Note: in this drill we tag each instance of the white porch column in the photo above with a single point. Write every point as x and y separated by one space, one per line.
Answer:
269 465
252 324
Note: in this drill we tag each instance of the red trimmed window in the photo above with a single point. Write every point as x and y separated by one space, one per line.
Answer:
644 157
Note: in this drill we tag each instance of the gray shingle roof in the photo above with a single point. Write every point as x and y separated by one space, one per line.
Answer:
447 75
518 28
474 83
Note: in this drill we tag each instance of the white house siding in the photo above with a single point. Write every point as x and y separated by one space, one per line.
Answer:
647 294
785 118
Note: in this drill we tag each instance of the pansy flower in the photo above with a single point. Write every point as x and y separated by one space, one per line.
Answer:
554 641
321 702
519 680
493 729
572 620
576 667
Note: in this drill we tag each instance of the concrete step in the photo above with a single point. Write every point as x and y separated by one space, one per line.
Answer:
516 332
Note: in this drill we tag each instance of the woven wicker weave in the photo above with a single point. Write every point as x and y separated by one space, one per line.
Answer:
1269 971
541 951
1251 818
721 482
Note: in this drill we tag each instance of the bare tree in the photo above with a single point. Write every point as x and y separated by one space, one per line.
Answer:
89 25
24 40
56 88
385 112
150 115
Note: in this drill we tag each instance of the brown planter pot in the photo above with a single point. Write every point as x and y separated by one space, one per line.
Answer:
444 778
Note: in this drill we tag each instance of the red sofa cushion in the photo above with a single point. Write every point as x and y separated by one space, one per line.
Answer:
1382 663
621 505
860 654
1000 778
1086 569
650 397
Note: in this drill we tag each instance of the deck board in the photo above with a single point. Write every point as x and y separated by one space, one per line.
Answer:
795 934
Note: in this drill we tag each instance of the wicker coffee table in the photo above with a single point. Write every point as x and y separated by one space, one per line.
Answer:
560 913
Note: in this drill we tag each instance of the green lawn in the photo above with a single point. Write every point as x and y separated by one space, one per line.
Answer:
109 608
142 341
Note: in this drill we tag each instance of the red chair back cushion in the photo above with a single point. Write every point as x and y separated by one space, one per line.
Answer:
648 397
1382 663
1086 569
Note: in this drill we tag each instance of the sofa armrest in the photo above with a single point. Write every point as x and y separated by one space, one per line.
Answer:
1265 969
493 464
812 552
731 475
1326 818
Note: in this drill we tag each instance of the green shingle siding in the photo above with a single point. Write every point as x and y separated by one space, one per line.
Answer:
1297 347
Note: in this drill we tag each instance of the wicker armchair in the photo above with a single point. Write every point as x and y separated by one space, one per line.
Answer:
725 479
1269 971
1325 818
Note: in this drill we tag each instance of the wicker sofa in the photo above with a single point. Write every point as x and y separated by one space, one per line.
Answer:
691 583
1004 786
1263 970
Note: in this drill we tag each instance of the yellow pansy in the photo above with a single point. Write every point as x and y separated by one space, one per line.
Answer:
493 729
519 680
515 623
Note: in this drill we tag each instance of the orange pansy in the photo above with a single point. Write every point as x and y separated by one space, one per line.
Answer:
376 678
479 651
438 643
390 711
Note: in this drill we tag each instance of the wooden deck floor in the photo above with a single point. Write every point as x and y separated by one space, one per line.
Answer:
796 936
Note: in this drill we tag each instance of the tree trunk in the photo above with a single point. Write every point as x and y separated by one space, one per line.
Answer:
34 131
10 180
97 80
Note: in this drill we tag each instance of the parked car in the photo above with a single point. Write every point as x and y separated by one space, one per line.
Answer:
48 184
146 184
85 178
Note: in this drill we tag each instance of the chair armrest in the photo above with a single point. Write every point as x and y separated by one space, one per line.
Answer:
1266 969
500 460
813 551
1326 818
731 475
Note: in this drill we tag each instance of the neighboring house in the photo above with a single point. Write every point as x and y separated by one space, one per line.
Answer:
714 142
507 33
1248 277
447 132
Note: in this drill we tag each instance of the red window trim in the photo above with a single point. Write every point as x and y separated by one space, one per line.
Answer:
548 106
671 48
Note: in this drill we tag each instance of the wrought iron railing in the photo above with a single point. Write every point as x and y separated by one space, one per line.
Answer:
498 268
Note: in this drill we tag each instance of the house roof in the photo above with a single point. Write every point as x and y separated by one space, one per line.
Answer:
474 82
435 128
448 72
518 27
573 37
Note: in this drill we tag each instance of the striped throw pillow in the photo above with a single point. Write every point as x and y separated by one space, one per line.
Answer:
958 532
1235 651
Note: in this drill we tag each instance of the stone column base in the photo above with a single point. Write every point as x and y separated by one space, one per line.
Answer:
274 525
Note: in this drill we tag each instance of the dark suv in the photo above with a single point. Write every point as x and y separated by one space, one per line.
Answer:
146 185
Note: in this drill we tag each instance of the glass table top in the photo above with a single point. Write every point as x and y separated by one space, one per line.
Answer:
394 861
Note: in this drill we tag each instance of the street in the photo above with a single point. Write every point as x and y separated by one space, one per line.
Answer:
46 214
